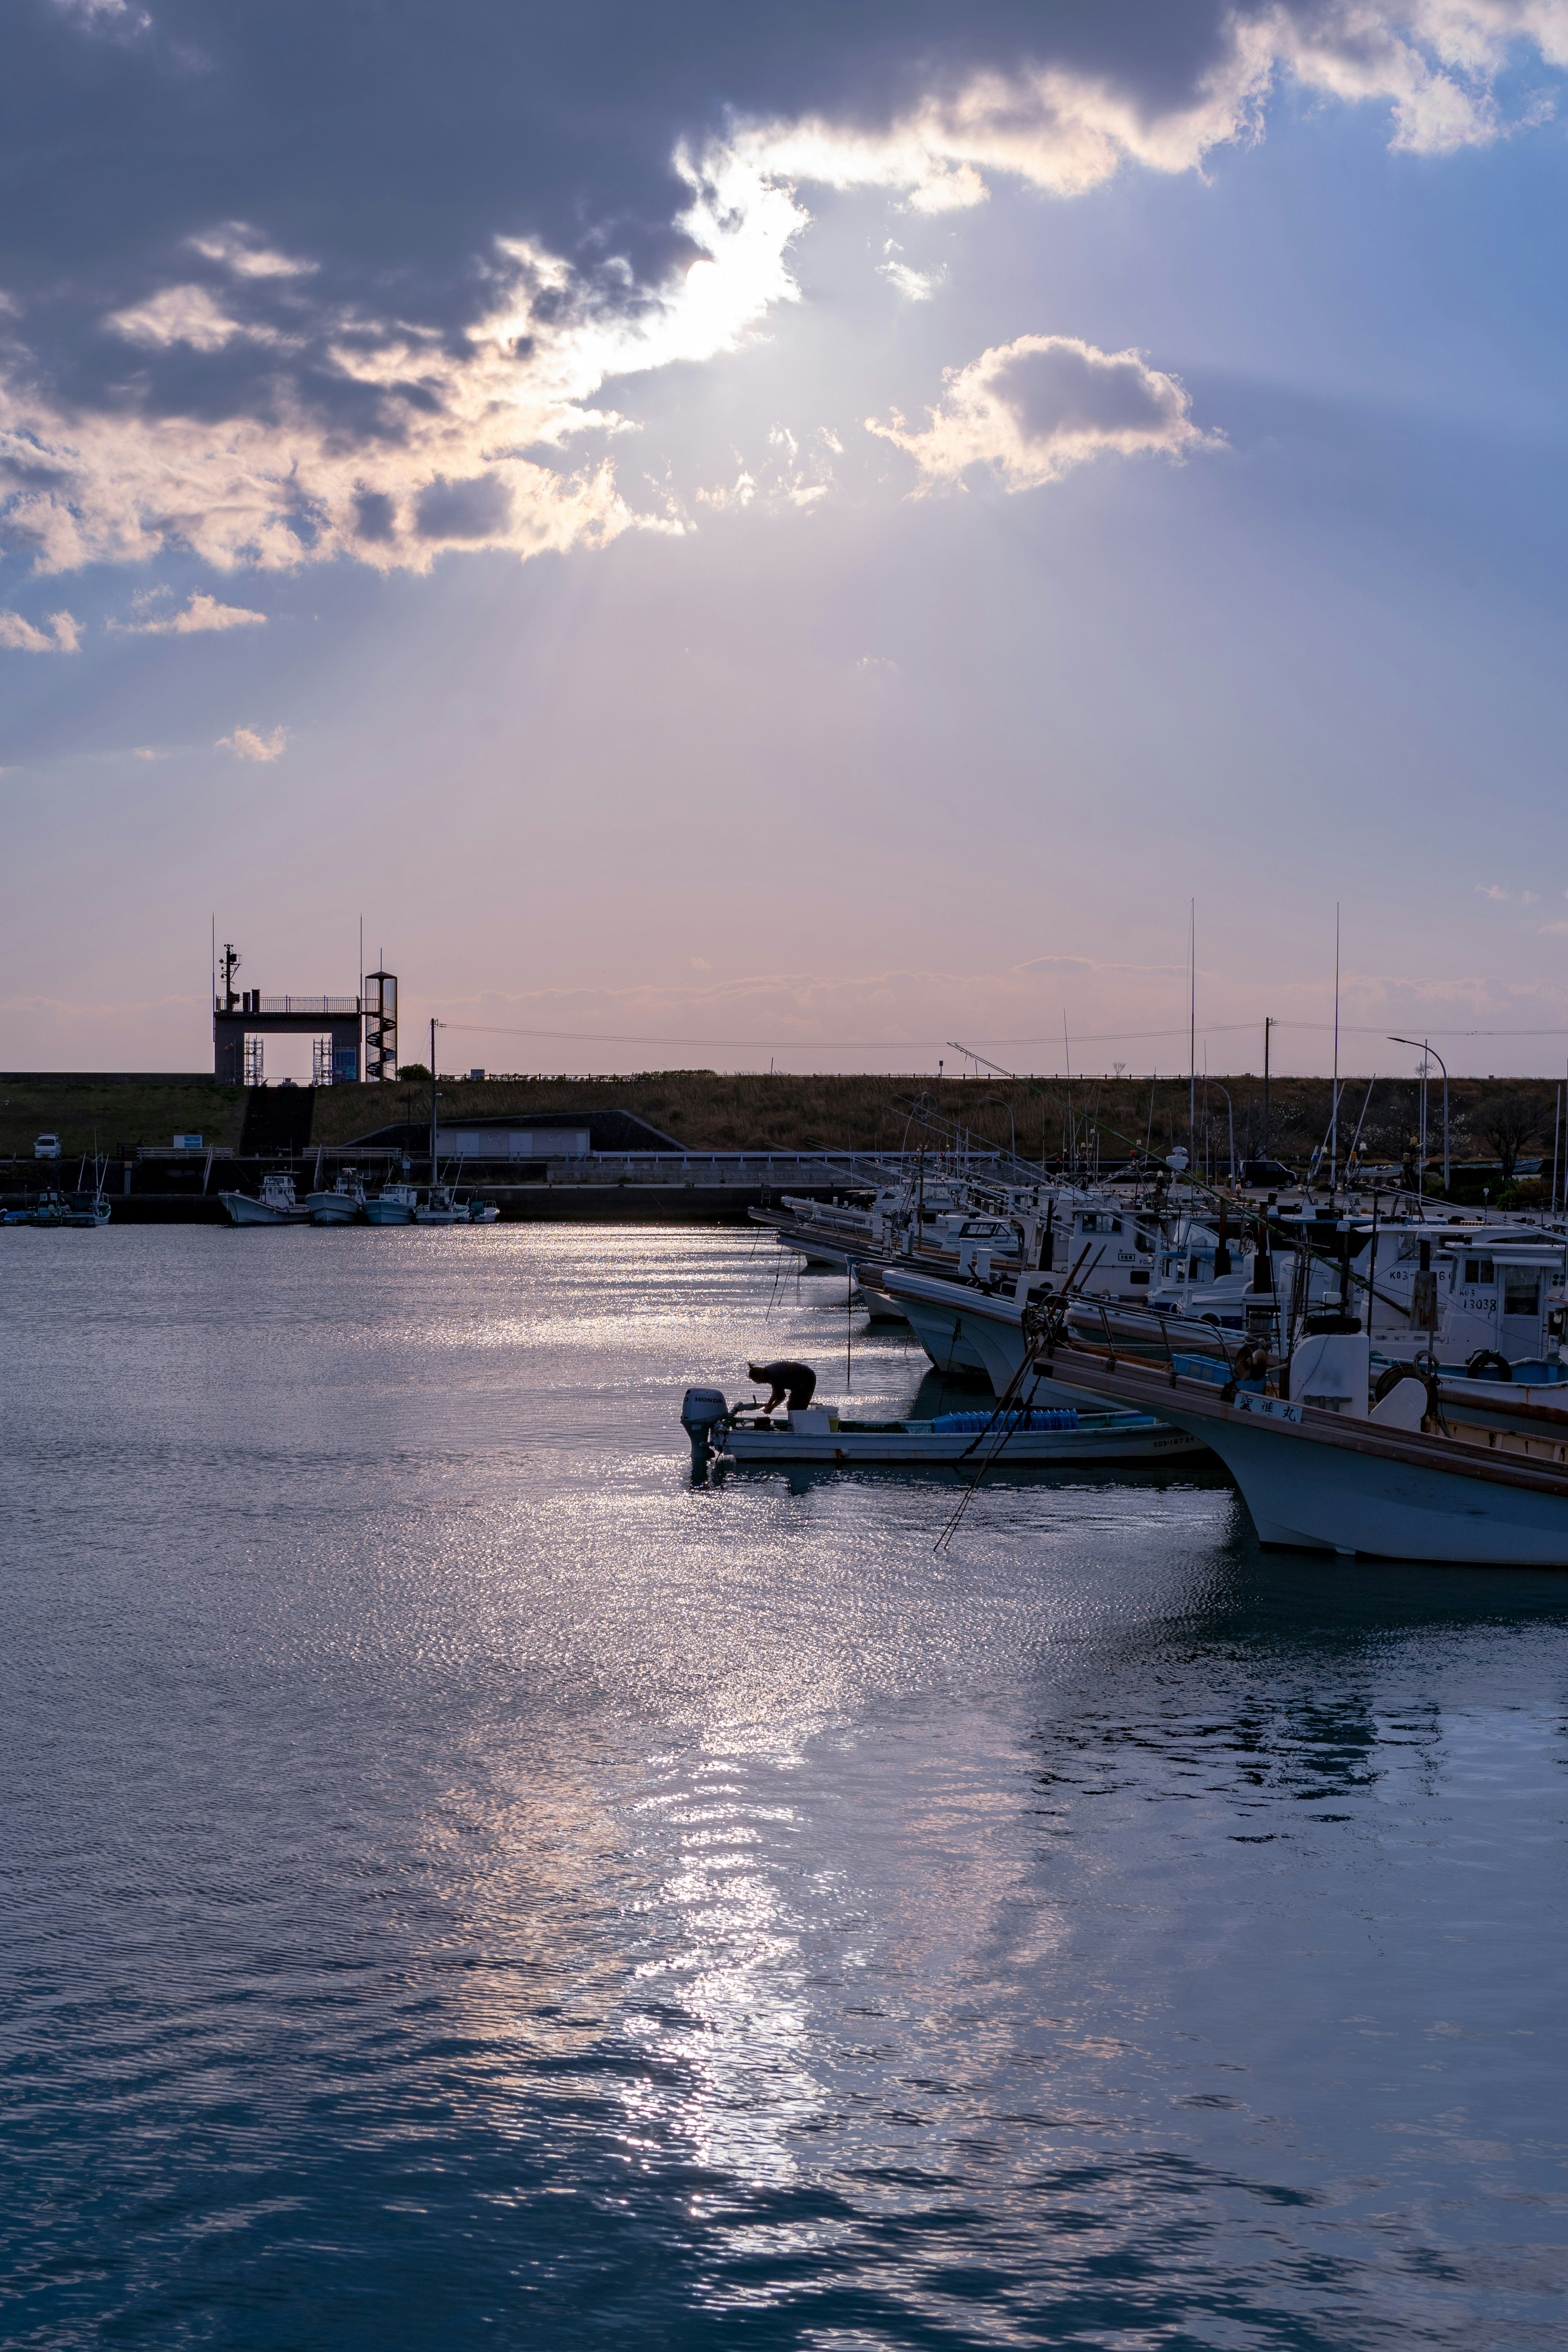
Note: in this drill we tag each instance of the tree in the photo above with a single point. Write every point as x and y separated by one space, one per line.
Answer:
1508 1128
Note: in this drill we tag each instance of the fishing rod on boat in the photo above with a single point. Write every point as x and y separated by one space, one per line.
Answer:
1010 1414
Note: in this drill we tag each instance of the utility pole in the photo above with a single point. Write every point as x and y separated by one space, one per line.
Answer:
1267 1027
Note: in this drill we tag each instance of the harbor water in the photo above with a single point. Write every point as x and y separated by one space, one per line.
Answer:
464 1885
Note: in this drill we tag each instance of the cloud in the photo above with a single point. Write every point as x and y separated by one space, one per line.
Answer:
423 384
21 637
184 314
203 612
247 744
1034 408
143 752
780 479
1491 891
1065 126
115 14
237 248
912 284
457 445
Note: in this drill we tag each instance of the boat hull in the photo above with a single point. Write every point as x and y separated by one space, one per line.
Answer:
1132 1438
989 1328
942 1333
1314 1483
244 1211
1390 1510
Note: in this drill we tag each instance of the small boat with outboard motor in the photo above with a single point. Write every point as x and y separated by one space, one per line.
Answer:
274 1205
1009 1438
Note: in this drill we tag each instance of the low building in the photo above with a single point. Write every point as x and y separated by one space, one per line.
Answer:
529 1135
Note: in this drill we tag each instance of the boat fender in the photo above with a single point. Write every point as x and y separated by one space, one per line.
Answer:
1478 1367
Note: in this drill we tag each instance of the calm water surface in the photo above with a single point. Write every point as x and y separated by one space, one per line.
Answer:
462 1887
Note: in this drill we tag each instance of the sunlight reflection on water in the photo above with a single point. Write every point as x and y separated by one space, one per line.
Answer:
461 1877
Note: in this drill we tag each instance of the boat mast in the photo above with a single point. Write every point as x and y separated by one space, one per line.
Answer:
434 1099
1191 1033
1334 1113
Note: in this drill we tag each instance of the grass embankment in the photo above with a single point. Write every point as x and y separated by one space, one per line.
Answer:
121 1114
757 1113
707 1112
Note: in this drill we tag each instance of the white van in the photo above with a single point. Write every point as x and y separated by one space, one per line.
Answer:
46 1147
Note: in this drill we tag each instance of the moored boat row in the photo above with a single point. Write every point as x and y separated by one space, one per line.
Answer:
1377 1380
347 1204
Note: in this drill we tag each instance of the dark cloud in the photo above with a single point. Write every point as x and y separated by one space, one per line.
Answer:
1066 388
380 245
479 509
375 515
395 140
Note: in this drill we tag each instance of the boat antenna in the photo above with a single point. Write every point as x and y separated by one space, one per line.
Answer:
1361 1122
434 1099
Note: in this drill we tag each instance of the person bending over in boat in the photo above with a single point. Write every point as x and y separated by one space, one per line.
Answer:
795 1382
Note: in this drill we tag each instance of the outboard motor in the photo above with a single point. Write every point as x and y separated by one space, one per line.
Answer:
702 1411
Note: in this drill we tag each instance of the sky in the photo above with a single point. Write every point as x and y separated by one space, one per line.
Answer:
805 544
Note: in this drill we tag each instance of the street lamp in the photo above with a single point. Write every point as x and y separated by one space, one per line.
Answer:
1422 1047
1012 1122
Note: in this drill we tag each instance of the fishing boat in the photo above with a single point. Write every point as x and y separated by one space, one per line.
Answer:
1325 1463
50 1209
395 1204
483 1212
276 1204
343 1206
1058 1438
439 1208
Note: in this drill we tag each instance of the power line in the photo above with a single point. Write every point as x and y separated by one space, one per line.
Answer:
902 1045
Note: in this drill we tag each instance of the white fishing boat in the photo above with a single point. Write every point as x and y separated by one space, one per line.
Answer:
395 1204
439 1208
1323 1466
483 1212
343 1206
275 1206
965 1327
1055 1439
